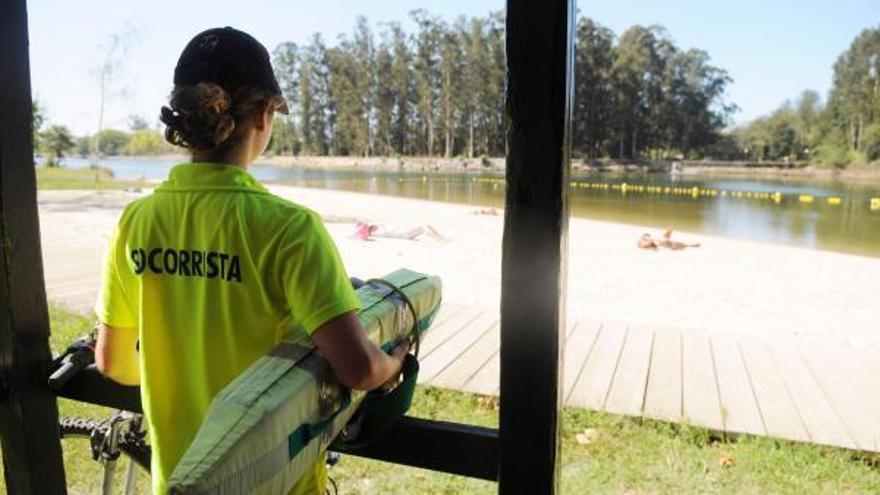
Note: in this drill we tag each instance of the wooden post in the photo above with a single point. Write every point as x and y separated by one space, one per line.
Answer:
28 411
533 280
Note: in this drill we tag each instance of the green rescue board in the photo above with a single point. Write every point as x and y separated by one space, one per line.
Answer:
272 422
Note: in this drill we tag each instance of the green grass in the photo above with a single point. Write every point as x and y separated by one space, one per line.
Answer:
68 178
628 456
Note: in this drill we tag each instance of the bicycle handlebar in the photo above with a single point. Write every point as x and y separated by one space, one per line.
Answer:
76 357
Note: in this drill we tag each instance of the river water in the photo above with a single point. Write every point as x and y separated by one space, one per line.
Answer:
814 214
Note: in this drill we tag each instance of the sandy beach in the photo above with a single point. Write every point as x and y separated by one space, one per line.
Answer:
724 286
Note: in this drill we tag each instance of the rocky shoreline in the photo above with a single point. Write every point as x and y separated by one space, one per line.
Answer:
386 163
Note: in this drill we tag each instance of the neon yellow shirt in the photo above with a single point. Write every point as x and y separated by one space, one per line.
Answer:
213 271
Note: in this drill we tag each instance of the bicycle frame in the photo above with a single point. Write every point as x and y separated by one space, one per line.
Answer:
106 450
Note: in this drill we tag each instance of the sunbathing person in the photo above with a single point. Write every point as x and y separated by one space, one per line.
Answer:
365 231
648 242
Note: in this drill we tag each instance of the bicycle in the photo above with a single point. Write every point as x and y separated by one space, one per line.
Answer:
123 433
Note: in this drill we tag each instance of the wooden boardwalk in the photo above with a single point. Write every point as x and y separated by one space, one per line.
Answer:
810 390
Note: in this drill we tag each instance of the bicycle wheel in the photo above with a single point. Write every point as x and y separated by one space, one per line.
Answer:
85 475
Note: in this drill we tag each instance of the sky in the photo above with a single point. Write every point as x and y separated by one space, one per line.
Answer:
773 49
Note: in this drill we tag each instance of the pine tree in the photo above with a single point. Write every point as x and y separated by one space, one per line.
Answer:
285 60
451 86
385 99
403 91
593 107
313 98
427 75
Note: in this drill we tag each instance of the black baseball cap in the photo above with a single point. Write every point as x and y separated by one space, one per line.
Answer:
229 58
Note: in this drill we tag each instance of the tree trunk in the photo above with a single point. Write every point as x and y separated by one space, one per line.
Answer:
471 136
633 147
447 114
430 124
859 134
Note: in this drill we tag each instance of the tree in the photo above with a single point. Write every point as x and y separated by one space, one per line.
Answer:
451 85
145 142
694 110
402 91
365 85
113 51
427 74
55 142
315 108
493 101
855 93
286 61
352 91
808 110
440 90
83 146
637 73
113 142
385 98
594 91
476 83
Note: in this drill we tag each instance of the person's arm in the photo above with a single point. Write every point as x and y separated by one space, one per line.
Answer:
358 363
116 309
321 299
116 354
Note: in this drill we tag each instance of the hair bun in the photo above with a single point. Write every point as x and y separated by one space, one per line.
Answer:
225 126
205 117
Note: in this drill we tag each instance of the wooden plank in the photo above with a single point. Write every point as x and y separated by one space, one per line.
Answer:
434 362
459 371
859 370
739 410
663 395
781 417
862 367
821 420
443 331
592 386
857 403
627 394
486 380
699 400
577 349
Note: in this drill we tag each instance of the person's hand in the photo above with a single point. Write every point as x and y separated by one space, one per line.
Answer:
398 355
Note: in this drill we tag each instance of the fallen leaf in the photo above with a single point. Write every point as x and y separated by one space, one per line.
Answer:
487 402
725 459
587 437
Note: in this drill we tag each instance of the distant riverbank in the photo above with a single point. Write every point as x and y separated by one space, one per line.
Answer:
388 163
497 164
